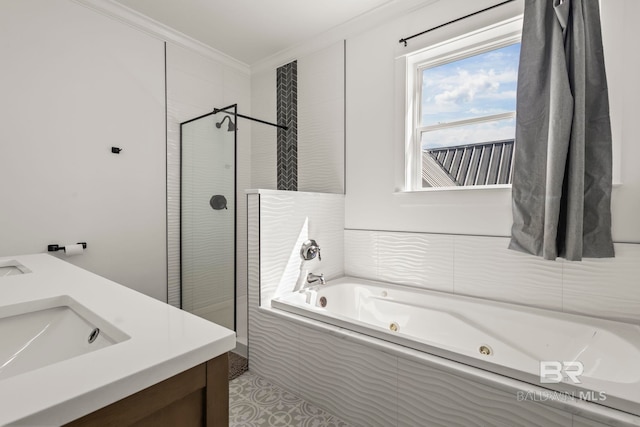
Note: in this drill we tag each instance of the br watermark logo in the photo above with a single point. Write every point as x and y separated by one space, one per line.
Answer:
553 371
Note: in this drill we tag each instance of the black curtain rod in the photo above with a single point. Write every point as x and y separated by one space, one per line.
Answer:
404 40
222 110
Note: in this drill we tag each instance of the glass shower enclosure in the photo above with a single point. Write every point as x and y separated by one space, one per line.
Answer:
208 216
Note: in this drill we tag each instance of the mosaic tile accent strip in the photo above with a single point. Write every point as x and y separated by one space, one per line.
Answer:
287 114
255 402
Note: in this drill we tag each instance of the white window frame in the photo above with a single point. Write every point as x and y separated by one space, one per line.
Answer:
491 37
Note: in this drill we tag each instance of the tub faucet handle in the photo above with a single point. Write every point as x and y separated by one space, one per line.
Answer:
309 250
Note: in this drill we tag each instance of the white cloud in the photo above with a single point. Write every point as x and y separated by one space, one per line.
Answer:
465 88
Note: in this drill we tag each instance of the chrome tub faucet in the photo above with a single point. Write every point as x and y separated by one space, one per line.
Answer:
313 278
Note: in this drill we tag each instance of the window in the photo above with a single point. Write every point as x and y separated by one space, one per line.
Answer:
462 102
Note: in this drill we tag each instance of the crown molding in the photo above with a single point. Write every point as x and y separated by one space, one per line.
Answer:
141 22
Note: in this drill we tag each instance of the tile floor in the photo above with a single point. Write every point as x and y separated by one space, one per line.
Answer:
255 402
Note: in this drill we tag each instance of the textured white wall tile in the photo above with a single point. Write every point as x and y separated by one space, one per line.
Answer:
207 235
326 226
348 379
273 349
585 422
287 219
416 259
607 287
196 84
361 254
484 267
321 120
253 249
263 143
238 90
430 397
283 228
173 205
189 94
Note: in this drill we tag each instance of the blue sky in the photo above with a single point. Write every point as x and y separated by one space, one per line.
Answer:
477 86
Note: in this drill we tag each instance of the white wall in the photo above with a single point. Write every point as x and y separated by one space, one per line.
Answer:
620 30
263 141
74 84
320 122
195 85
375 117
374 131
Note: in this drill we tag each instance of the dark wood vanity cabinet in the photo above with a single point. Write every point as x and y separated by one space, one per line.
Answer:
196 397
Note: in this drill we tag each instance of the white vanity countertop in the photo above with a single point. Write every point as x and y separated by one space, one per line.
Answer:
164 341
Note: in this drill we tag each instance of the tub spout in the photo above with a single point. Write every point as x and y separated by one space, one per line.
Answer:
313 278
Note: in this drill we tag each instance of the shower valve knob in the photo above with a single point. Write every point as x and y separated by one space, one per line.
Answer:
309 250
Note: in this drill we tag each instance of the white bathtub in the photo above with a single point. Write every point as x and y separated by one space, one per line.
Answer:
459 328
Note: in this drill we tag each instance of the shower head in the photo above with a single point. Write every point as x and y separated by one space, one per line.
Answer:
230 127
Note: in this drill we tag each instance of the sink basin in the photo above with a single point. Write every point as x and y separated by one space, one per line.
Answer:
12 268
43 332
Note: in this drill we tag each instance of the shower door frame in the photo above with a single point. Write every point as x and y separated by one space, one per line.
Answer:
235 202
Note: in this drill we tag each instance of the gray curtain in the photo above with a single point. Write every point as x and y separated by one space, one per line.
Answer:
562 161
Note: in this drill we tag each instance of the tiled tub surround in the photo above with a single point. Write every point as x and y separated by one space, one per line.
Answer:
483 267
367 381
278 223
287 219
370 382
502 338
